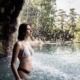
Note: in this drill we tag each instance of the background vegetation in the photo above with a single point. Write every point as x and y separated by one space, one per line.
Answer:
50 23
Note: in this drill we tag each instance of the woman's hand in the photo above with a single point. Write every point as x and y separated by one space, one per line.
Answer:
37 43
41 43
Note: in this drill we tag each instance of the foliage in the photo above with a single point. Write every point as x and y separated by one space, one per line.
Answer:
49 23
77 31
41 15
47 19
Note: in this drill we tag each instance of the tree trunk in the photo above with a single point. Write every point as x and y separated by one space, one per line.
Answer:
9 37
9 11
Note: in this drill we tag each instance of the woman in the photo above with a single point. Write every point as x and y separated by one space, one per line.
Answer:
23 50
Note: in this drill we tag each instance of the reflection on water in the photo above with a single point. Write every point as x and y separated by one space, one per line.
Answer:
51 62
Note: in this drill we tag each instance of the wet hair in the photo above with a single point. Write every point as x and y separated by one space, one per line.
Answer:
22 31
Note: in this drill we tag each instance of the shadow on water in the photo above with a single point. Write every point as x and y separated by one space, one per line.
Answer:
5 70
51 62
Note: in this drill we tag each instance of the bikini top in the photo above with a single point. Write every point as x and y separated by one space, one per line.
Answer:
26 52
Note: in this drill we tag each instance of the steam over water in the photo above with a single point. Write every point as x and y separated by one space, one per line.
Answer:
51 62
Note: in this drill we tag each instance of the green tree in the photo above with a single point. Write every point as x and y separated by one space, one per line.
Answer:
61 22
77 30
72 17
48 8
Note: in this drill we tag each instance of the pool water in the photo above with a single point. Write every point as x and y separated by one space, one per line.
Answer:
51 62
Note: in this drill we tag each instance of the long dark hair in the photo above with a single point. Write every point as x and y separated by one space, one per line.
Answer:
22 31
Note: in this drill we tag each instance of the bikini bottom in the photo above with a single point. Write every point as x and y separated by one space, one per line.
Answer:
25 71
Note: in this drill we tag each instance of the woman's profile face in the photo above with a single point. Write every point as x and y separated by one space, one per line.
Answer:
29 30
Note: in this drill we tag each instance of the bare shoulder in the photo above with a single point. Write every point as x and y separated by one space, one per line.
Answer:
17 44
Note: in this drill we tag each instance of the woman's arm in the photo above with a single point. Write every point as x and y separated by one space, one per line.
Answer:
14 59
37 43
